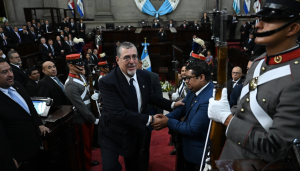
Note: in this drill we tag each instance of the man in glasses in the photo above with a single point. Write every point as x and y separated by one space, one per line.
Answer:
236 80
126 92
195 125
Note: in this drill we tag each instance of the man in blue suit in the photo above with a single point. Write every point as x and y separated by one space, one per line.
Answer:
195 125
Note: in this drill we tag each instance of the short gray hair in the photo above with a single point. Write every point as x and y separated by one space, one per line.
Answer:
10 53
125 45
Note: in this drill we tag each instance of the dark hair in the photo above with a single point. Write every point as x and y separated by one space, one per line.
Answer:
2 60
125 45
199 67
10 53
29 70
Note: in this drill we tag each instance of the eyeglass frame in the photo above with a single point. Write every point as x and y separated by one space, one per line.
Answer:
236 73
187 78
128 58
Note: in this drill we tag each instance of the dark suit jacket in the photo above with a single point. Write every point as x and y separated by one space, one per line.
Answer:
235 94
33 36
230 88
15 38
194 27
57 47
205 20
173 25
49 28
67 47
157 26
21 129
47 87
8 31
258 50
25 37
244 29
32 88
1 41
162 37
81 28
95 59
249 45
19 75
157 90
120 123
44 52
40 30
186 26
195 125
73 28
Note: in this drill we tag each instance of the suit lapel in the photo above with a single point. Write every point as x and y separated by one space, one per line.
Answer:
126 89
54 83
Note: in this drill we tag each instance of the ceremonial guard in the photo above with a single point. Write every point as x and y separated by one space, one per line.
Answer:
266 119
77 91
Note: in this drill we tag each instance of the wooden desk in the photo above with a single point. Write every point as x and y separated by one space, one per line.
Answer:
59 152
161 54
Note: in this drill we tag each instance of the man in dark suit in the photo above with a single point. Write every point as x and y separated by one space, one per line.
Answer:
51 48
73 28
150 110
195 26
25 35
236 80
3 39
171 24
64 24
8 30
249 44
19 121
233 24
81 28
94 57
194 127
59 47
162 35
126 92
66 31
19 73
47 27
155 24
67 46
44 50
29 26
40 30
51 86
184 25
34 77
16 37
33 35
244 32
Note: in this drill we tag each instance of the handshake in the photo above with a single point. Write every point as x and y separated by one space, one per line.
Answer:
159 121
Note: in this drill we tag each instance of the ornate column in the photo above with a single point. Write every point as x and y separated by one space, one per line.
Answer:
10 9
103 10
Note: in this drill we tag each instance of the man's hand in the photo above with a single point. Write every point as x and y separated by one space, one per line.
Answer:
179 103
219 110
16 163
44 129
160 122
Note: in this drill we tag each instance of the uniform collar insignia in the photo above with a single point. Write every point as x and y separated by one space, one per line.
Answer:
283 57
74 76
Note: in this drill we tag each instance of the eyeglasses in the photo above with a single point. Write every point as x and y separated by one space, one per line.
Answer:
236 73
127 58
188 78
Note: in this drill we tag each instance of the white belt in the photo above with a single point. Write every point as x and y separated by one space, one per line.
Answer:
87 102
263 118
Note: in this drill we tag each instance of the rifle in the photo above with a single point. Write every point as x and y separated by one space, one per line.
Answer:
216 131
91 90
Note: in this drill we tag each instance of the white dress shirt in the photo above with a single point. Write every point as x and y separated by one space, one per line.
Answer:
14 91
234 84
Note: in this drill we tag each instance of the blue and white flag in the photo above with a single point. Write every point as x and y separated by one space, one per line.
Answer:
80 8
247 6
71 6
236 6
145 58
168 6
146 7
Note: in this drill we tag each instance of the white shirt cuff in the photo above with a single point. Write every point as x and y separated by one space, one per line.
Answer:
172 105
148 123
228 125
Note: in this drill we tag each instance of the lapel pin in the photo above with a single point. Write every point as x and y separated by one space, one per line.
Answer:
17 88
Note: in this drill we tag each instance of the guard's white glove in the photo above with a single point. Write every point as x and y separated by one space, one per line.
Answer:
175 96
95 96
219 110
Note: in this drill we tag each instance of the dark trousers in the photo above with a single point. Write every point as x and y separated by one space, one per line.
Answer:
144 150
29 165
243 37
189 166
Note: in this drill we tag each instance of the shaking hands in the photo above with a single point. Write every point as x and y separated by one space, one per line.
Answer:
160 121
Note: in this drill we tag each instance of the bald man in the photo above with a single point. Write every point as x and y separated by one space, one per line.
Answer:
236 75
51 86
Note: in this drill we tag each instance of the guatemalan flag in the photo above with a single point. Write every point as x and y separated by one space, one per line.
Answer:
145 58
146 7
71 5
236 6
247 6
80 8
168 6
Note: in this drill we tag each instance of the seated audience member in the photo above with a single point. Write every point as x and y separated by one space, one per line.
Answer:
68 48
44 50
19 73
205 18
155 24
66 31
8 30
195 26
51 86
204 50
182 89
47 27
171 24
33 35
32 84
64 23
59 47
25 35
94 57
51 48
62 35
162 35
194 128
3 39
33 23
40 30
20 125
29 26
2 54
87 62
71 40
184 25
236 80
209 60
236 92
249 44
16 37
42 22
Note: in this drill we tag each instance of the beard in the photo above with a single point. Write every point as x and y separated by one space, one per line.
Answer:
131 73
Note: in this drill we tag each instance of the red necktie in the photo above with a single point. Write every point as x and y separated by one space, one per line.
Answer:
59 43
